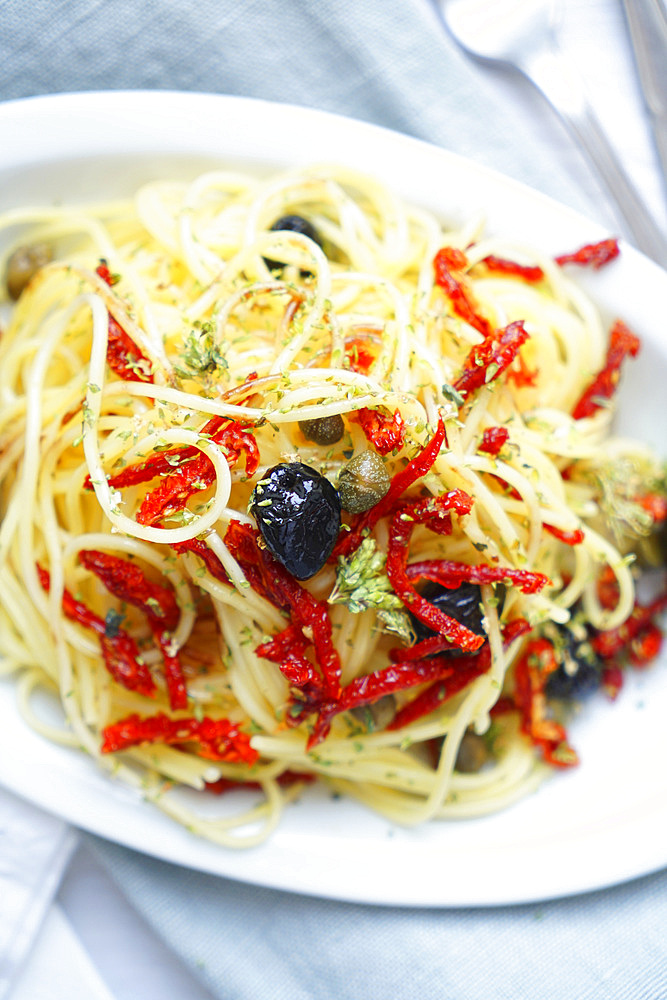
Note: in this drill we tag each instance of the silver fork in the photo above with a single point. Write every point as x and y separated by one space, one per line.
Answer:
521 34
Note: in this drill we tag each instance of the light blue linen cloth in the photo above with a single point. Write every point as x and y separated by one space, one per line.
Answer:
389 62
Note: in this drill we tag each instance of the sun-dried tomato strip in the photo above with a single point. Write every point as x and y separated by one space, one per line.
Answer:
434 514
521 375
447 261
426 647
285 780
123 355
218 739
452 574
371 687
401 481
207 556
528 272
654 504
288 650
622 342
119 650
612 680
646 645
594 255
198 473
272 580
385 433
466 670
574 537
493 440
613 641
531 673
127 581
160 463
361 352
488 360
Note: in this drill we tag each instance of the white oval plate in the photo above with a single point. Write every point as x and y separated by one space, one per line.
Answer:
601 824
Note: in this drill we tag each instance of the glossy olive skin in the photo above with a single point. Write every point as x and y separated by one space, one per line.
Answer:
463 604
293 224
580 670
298 514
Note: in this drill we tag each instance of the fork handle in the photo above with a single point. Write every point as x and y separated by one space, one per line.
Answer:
557 82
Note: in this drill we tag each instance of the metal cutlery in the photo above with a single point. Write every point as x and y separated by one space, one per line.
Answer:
520 34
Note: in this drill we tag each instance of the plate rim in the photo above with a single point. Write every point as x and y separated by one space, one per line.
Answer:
138 101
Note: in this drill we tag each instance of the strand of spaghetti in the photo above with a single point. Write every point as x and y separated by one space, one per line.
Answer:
121 522
154 557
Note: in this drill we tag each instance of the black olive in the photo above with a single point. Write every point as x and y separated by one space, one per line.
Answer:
363 482
298 515
293 224
463 604
580 670
323 430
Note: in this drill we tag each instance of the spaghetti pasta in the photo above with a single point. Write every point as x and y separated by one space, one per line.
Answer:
172 353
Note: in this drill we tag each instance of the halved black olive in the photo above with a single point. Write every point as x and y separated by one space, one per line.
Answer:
293 224
464 604
580 670
298 514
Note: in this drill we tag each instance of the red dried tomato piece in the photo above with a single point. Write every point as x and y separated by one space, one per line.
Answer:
434 514
594 255
622 342
285 780
493 440
119 650
123 356
288 650
611 642
467 669
531 673
452 574
385 433
218 739
126 581
574 537
198 473
527 272
268 577
401 481
488 360
447 261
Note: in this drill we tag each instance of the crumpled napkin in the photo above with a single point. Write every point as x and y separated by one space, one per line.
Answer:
250 943
34 850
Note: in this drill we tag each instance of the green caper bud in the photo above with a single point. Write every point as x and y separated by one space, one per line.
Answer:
363 482
323 430
23 265
473 753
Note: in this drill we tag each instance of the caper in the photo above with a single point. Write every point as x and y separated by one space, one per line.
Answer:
363 482
473 753
323 430
377 715
23 265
